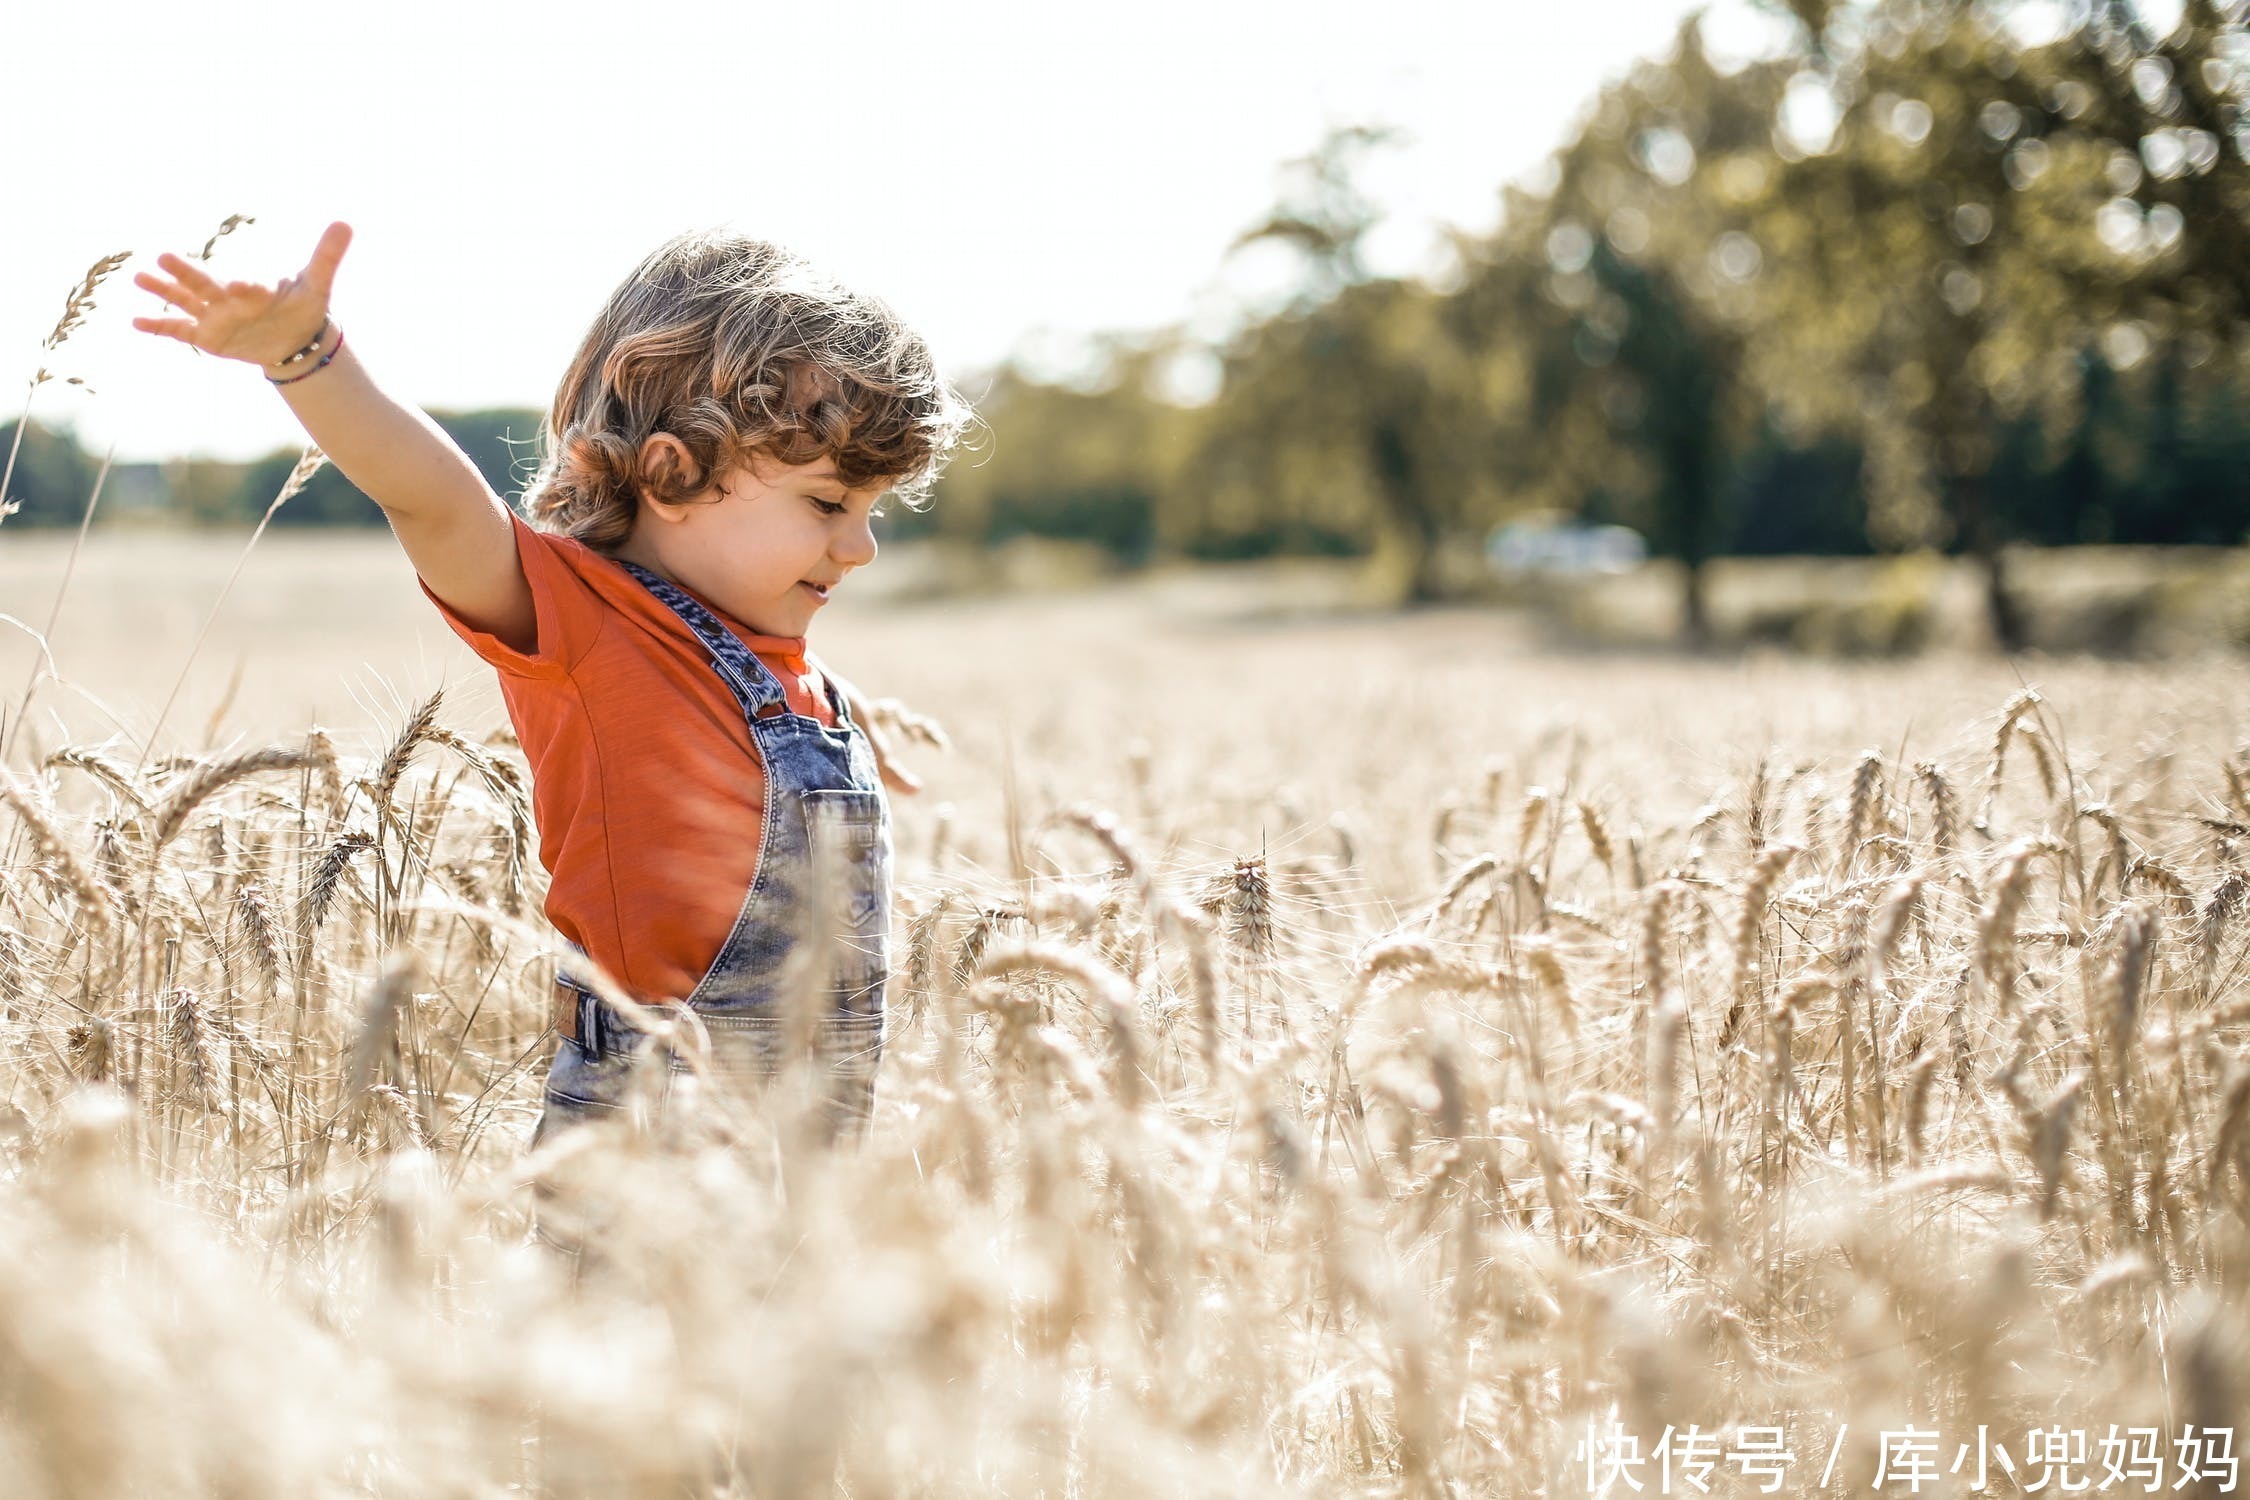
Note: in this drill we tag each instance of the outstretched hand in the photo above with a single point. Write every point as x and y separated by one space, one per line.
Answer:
246 320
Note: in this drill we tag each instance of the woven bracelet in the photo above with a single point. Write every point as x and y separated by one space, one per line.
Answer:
316 369
311 349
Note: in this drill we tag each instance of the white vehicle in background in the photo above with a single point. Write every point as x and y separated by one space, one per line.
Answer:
1550 542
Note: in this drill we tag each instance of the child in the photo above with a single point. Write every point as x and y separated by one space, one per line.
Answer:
714 459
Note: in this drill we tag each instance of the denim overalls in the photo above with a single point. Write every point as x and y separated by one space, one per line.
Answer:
822 792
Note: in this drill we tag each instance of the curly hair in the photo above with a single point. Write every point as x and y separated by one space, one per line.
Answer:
738 348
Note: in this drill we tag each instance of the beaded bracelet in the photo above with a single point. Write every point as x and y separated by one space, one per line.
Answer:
310 349
316 369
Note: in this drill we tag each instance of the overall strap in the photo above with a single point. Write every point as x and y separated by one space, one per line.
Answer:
746 677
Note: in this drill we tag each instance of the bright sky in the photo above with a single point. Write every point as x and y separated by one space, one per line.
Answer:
1008 176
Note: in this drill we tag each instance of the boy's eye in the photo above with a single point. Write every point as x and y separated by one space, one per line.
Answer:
829 507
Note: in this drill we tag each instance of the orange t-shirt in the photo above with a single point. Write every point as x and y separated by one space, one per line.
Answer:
648 793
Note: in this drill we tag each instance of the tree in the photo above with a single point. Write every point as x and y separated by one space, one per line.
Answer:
1614 297
1351 412
53 478
1088 461
1963 237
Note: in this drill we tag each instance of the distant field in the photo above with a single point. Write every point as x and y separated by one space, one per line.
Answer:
1225 672
331 627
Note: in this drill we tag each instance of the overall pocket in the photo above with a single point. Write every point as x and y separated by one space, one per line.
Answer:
849 833
580 1087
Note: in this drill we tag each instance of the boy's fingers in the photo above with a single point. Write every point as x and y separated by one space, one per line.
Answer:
178 328
895 776
189 274
171 292
925 727
321 269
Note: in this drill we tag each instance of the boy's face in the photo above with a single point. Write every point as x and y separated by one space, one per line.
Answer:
771 549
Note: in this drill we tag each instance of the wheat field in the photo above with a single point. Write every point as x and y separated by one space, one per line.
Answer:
1337 1055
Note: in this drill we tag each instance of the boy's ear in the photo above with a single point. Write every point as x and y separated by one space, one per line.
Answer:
664 457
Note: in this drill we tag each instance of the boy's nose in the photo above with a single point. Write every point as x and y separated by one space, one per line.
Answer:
856 547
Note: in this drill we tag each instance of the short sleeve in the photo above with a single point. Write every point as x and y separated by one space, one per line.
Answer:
569 612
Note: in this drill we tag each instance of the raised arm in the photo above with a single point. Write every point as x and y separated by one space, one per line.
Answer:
454 528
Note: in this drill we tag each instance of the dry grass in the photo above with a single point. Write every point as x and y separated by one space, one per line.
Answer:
1333 1059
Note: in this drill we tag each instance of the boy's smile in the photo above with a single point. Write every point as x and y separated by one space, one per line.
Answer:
768 546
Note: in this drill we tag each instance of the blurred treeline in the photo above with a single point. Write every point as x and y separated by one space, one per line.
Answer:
1914 282
54 475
